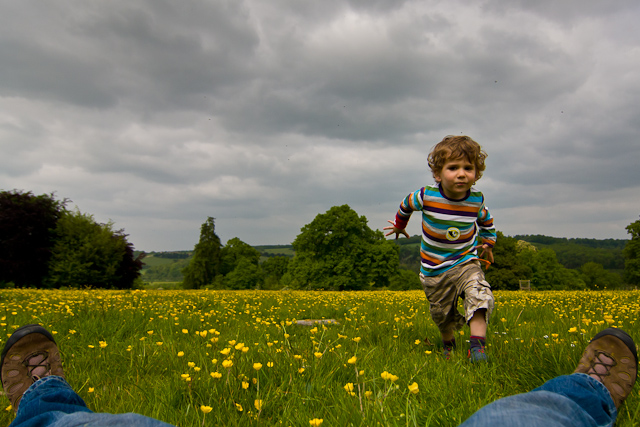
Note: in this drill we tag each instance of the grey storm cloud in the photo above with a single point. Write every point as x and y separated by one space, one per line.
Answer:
157 114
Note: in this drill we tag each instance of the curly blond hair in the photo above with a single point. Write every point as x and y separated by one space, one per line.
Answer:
454 147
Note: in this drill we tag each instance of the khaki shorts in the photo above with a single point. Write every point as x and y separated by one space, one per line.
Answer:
462 281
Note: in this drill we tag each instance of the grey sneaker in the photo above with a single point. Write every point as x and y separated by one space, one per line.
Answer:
611 358
30 354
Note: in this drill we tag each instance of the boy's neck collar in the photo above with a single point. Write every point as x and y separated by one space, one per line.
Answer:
466 196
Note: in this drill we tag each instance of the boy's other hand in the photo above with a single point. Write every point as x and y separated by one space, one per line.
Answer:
397 231
487 253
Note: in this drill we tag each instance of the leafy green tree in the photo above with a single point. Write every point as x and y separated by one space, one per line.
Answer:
548 273
27 224
507 270
338 250
130 266
631 254
405 280
234 251
205 263
595 276
273 269
246 275
87 254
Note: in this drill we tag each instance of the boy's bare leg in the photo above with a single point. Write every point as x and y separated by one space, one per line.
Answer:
478 327
478 323
447 336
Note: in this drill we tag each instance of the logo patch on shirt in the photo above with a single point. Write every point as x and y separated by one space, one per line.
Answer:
453 233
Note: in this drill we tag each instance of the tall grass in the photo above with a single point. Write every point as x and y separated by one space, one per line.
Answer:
154 352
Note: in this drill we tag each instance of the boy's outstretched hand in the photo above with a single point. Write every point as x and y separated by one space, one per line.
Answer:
397 231
487 253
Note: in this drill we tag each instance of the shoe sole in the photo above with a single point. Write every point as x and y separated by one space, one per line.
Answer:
20 333
622 336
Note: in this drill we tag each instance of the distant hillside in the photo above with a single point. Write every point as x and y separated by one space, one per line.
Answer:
592 243
573 253
167 266
275 250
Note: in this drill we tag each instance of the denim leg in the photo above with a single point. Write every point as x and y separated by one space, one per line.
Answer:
52 402
568 400
46 401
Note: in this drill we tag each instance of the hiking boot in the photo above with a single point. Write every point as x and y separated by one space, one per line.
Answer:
477 354
30 354
611 358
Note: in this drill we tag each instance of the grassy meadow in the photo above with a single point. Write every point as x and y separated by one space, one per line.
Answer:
194 358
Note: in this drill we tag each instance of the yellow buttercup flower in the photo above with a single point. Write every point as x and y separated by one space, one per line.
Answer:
316 422
258 404
239 407
180 353
225 351
357 339
352 361
317 354
227 363
413 388
245 385
257 366
205 409
387 376
215 375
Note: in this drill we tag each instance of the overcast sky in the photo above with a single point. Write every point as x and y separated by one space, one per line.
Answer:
264 113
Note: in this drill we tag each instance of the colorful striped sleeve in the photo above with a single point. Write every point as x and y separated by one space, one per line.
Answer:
412 203
487 231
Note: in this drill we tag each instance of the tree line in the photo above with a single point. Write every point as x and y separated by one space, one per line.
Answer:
45 245
336 251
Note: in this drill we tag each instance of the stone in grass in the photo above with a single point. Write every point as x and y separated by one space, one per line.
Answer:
311 322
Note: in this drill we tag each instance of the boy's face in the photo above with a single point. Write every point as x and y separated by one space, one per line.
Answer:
457 176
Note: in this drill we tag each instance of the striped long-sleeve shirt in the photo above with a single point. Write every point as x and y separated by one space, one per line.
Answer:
451 229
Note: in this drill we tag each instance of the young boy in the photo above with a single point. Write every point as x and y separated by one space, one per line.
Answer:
455 223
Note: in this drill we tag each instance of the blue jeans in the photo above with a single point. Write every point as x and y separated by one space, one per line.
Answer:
568 400
52 402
